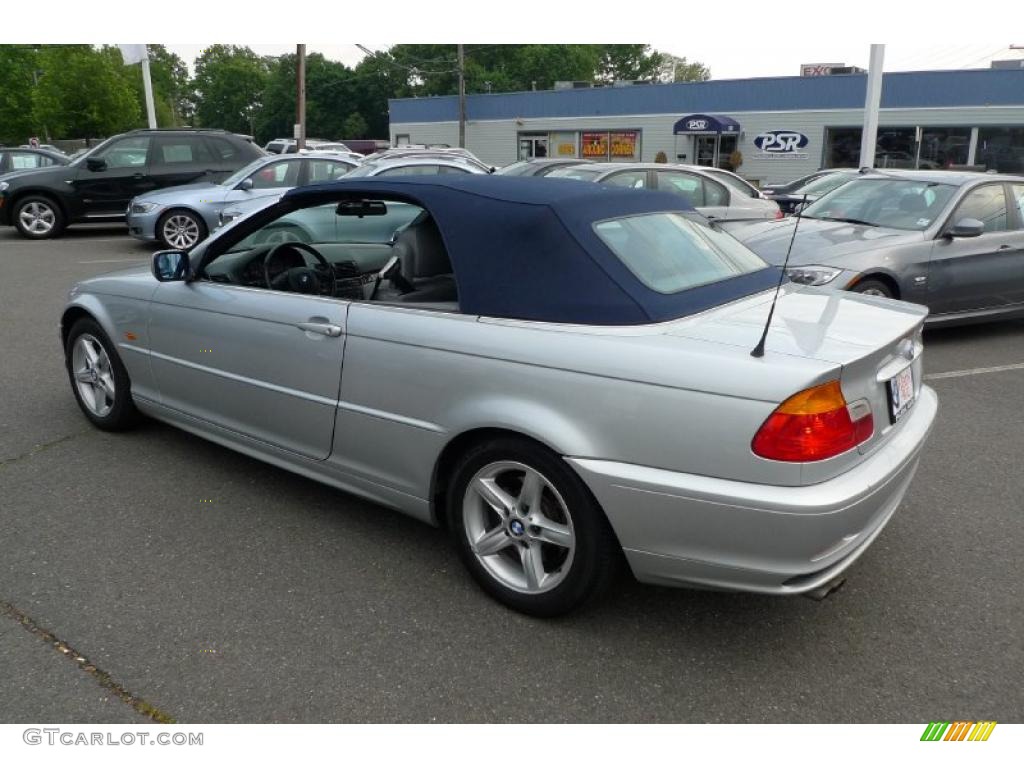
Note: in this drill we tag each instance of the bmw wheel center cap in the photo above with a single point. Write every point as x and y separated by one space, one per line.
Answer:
517 528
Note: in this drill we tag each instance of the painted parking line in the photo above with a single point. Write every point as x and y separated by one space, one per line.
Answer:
974 371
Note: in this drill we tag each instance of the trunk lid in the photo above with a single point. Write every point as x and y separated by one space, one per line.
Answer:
872 340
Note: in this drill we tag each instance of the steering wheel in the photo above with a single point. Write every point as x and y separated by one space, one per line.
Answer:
300 279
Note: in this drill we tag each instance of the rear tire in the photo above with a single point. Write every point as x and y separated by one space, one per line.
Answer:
873 287
98 378
38 217
528 529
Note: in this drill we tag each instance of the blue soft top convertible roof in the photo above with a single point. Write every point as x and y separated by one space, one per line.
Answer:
525 247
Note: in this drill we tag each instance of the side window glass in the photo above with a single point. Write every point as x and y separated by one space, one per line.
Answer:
22 160
1017 191
410 170
223 151
683 184
179 151
986 204
715 193
127 153
631 179
276 175
325 170
452 169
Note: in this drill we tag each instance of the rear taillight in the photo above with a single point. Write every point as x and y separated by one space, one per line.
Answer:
779 214
814 424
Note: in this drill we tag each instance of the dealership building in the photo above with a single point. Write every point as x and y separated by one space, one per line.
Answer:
776 128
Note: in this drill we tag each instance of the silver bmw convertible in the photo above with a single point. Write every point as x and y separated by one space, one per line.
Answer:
559 373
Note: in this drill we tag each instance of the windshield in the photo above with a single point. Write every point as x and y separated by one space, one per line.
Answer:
894 203
671 253
577 172
824 185
516 169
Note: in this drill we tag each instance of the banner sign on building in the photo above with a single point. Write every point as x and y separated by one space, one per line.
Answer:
817 70
594 146
624 145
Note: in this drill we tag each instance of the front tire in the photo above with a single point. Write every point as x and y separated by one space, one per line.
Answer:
180 229
38 218
528 529
873 287
98 378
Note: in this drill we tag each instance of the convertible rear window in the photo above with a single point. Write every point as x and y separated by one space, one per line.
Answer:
670 253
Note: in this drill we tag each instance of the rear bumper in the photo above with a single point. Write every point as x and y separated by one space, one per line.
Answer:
680 529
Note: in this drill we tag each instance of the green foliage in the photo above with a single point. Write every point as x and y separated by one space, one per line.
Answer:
684 71
85 92
17 64
228 88
171 95
627 62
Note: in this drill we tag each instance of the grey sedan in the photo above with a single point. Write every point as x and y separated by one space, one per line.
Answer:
950 240
180 217
563 379
707 191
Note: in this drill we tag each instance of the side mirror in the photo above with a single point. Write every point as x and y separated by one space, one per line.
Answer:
95 163
966 228
170 266
245 185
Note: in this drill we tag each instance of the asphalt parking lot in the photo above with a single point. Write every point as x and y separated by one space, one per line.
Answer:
189 582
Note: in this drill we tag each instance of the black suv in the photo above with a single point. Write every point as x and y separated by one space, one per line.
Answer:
97 186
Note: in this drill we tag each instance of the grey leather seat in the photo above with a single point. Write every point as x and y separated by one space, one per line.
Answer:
425 262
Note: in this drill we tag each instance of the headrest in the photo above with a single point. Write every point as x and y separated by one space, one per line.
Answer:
421 249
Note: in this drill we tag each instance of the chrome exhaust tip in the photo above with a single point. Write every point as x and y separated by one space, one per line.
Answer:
827 589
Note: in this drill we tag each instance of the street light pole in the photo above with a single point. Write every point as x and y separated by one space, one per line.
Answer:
462 97
300 96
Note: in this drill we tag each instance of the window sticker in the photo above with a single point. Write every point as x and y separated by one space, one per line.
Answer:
923 222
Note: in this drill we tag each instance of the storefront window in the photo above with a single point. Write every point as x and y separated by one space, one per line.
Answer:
1001 149
896 147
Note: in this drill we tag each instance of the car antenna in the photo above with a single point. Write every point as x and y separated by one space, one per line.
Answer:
758 351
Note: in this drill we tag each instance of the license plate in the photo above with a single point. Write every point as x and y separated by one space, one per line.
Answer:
901 393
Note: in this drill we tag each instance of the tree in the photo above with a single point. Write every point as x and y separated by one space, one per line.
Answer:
679 70
18 69
170 87
627 62
355 127
228 88
85 92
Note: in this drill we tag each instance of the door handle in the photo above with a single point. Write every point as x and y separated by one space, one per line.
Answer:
1005 247
325 329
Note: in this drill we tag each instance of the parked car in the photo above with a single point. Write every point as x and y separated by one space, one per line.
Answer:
821 185
538 166
180 217
98 186
731 179
432 151
953 241
704 191
789 186
417 165
561 378
14 160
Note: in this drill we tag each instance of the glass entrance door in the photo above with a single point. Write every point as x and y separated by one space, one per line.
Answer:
533 145
705 149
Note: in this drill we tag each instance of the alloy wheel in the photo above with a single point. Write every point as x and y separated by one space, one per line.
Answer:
37 217
180 231
93 374
519 527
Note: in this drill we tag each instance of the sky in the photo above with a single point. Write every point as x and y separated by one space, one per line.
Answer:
727 60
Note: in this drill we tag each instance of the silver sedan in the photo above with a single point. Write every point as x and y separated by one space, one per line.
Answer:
180 217
714 193
559 373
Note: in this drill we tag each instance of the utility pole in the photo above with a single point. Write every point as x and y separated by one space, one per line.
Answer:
462 97
872 100
300 96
